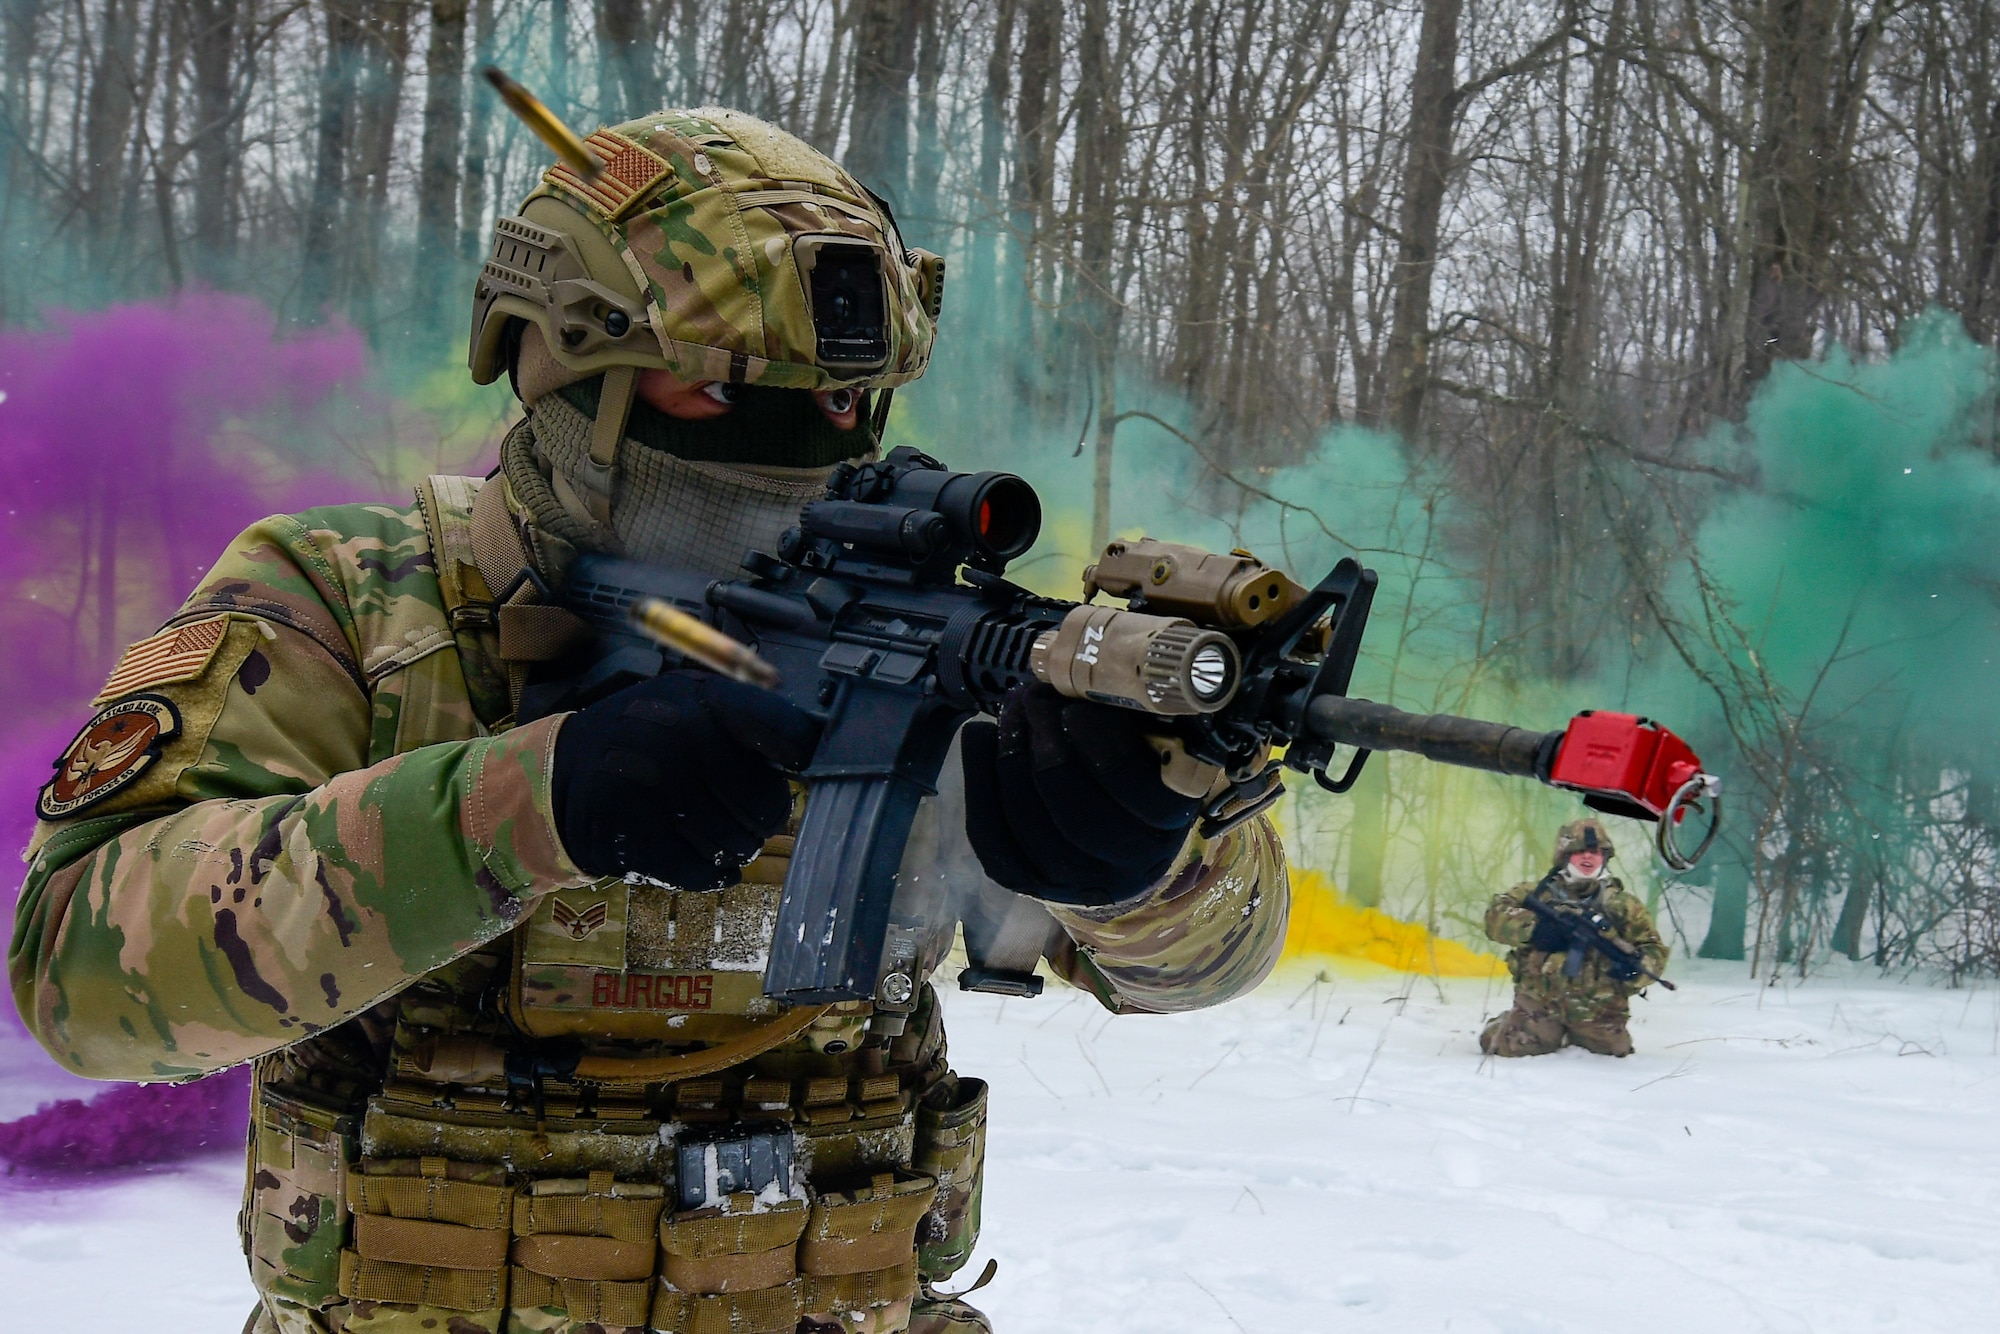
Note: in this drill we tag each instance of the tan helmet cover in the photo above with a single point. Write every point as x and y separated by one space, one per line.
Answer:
694 252
1583 836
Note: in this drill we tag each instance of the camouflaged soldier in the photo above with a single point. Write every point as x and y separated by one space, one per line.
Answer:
1553 1009
500 979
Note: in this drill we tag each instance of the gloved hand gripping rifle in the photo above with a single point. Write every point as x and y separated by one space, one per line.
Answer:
886 613
1589 929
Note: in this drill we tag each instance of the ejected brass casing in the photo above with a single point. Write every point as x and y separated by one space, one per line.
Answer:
694 638
548 126
1235 590
1159 664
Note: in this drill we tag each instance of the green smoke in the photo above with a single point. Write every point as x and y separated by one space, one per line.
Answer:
1833 626
1867 559
1850 657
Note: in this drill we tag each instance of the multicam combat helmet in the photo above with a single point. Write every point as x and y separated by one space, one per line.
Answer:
714 246
1582 836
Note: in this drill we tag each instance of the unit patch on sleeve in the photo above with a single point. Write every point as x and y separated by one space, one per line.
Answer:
177 653
112 750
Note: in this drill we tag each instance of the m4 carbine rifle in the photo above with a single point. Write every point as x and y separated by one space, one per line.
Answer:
886 614
1589 929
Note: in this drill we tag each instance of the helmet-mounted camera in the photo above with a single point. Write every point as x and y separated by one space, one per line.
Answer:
849 300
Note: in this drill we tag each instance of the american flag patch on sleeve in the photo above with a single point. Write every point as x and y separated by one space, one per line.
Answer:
177 653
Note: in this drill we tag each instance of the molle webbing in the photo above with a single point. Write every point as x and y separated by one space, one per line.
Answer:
737 1248
603 1259
427 1238
856 1232
378 1237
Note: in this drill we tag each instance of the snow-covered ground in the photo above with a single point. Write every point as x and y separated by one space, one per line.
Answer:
1335 1155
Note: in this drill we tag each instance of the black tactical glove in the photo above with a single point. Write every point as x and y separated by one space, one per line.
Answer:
1063 800
680 778
1622 967
1549 936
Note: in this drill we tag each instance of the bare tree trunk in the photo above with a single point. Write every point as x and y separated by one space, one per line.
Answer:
213 39
878 130
1099 156
379 104
20 22
1978 289
107 129
732 61
139 146
333 128
687 52
166 158
437 178
928 165
1816 65
1368 833
987 275
1559 606
827 97
1034 167
562 89
1433 113
628 85
20 28
472 202
1035 115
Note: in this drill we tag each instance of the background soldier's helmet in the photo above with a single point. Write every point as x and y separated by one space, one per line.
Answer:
1582 836
714 246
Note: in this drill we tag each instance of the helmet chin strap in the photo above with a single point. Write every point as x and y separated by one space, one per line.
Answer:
614 408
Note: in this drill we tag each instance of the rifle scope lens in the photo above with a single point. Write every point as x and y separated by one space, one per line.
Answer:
997 510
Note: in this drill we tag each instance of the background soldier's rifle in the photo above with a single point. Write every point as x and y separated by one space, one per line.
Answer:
885 613
1588 929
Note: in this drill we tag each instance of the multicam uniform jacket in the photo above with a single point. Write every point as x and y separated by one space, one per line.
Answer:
299 832
1538 975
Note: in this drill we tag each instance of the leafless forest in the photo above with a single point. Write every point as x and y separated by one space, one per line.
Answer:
1555 245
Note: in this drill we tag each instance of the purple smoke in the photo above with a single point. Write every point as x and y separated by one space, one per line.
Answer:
137 441
130 1125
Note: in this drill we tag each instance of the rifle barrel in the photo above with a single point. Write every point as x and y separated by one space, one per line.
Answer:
1446 738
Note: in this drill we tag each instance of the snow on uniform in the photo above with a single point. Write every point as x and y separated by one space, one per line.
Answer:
323 849
1550 1011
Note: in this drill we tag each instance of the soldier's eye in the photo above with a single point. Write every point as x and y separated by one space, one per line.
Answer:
723 392
838 402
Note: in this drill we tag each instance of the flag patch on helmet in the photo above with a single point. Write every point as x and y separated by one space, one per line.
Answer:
631 173
177 653
111 751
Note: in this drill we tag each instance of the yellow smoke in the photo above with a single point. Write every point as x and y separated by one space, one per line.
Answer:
1325 924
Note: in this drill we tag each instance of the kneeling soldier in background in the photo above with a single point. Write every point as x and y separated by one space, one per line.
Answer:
1582 946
